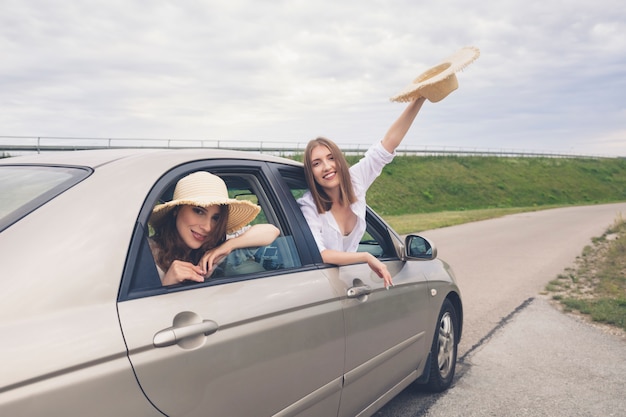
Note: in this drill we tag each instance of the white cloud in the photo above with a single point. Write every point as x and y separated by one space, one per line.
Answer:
550 73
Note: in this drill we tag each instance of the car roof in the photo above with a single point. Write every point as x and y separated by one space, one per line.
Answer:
98 157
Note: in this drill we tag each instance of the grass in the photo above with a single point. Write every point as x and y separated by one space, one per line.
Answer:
413 223
596 285
433 184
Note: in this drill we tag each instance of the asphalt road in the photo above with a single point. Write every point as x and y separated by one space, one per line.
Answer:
519 355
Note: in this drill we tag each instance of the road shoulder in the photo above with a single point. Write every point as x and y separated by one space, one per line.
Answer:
542 363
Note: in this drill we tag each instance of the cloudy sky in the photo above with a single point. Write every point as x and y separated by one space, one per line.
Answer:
551 75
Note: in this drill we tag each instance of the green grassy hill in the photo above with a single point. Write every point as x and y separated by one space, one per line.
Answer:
427 184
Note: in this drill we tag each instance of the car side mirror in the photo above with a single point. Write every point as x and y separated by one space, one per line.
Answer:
418 247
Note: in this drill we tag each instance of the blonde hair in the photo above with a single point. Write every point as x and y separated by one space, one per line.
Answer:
323 202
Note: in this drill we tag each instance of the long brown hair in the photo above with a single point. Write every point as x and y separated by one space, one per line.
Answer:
171 247
346 192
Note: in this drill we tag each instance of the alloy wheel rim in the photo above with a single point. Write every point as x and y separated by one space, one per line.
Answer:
445 352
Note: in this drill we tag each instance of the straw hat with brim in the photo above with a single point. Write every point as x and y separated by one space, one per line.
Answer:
437 82
203 189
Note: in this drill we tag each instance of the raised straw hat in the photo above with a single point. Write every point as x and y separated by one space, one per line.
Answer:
437 82
204 189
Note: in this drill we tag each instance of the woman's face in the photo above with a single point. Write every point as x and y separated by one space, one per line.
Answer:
324 167
194 224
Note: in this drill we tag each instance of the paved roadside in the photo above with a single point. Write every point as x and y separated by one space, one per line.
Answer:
541 362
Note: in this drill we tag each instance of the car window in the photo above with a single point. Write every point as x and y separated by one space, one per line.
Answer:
369 244
280 254
247 263
376 238
24 188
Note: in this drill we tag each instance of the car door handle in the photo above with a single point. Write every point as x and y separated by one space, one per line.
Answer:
173 335
361 290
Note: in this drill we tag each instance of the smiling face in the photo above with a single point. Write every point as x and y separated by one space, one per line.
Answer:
324 167
327 174
195 224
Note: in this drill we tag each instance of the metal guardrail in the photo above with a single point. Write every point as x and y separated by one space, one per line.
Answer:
29 144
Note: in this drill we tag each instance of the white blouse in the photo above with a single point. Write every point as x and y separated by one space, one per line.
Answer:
325 230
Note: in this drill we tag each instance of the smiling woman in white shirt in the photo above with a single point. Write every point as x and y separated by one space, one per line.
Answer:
334 206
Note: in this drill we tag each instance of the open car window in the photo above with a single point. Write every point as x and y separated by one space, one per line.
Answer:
375 240
241 264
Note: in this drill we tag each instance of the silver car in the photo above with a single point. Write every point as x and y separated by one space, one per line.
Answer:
88 329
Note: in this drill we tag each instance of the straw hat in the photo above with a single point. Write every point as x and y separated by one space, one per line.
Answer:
204 189
439 81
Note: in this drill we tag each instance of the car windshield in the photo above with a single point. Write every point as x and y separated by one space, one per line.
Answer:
24 188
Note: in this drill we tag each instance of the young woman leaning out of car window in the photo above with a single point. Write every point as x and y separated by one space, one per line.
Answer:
200 226
334 206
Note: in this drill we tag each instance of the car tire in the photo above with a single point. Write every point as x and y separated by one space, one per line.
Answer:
444 349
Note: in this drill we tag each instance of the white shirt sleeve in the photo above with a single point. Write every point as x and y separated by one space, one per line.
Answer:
365 172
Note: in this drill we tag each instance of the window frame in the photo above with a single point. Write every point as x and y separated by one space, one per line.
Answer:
269 196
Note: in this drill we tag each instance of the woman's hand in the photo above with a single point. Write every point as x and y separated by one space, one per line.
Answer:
335 257
181 271
213 257
380 269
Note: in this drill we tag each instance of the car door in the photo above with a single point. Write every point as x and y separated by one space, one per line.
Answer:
386 340
258 342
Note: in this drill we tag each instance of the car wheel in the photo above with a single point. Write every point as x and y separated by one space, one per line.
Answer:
443 350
